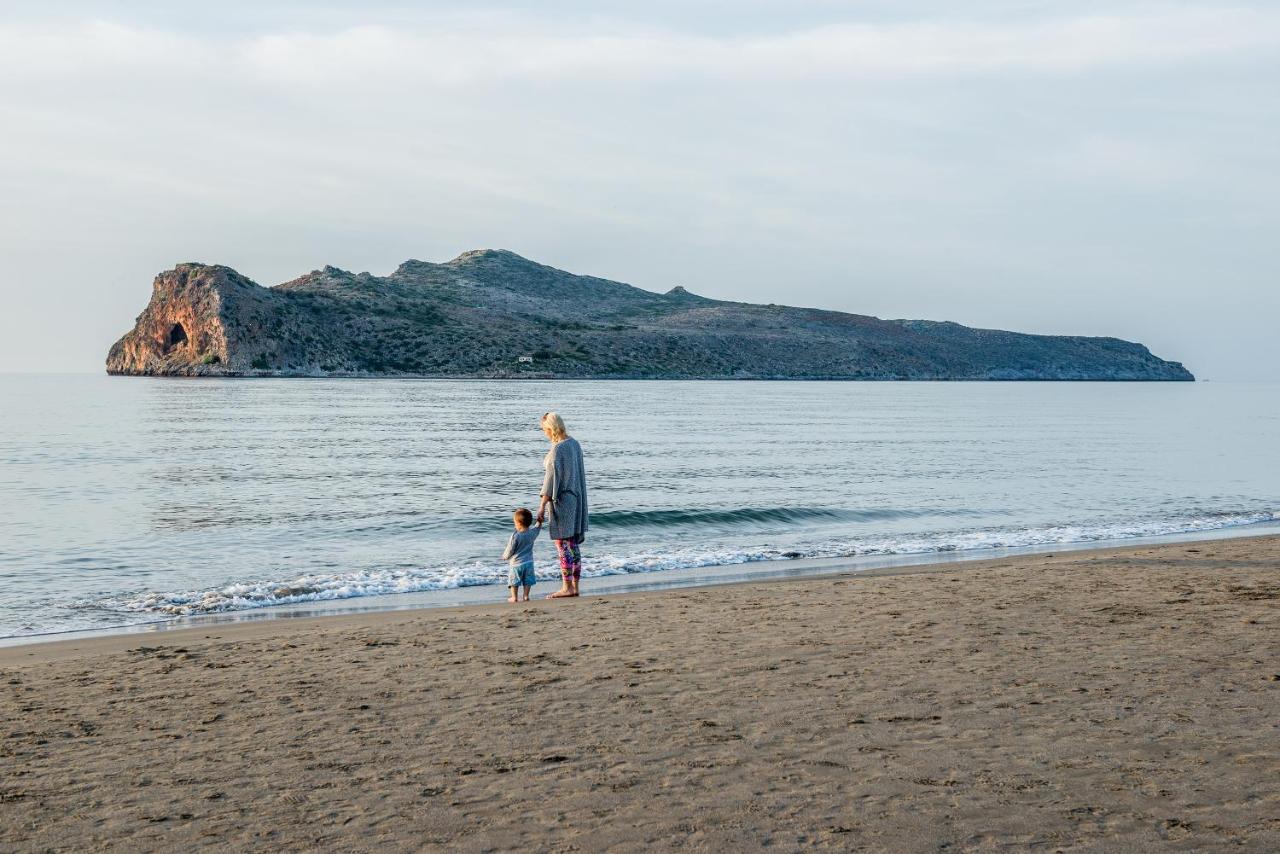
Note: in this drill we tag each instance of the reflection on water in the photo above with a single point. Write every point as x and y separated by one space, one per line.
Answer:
127 498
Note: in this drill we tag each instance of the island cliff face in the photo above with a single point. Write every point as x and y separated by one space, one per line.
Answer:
491 313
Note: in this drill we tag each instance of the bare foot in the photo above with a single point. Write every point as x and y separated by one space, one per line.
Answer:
511 598
562 594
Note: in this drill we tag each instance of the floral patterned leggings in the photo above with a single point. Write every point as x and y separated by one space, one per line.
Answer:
570 558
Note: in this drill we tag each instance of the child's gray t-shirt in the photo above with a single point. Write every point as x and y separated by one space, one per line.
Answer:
520 546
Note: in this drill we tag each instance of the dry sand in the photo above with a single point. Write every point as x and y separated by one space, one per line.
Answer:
1096 701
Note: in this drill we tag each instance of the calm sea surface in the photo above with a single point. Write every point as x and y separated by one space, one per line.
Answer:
126 500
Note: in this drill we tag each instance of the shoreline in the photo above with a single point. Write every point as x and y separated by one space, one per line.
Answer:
481 595
1092 700
267 622
707 379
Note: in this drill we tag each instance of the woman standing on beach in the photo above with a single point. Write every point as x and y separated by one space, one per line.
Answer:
564 490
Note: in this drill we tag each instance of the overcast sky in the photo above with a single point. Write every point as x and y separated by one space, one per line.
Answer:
1085 168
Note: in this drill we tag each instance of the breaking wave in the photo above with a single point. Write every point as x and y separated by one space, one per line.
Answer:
416 579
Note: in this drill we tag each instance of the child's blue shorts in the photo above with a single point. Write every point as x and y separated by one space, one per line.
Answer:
521 576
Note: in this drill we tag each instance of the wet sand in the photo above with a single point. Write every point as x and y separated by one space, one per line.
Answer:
1089 701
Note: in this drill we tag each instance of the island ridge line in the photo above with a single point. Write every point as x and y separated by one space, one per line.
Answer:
493 314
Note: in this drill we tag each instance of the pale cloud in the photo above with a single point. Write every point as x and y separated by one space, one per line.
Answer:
1117 161
1033 165
450 54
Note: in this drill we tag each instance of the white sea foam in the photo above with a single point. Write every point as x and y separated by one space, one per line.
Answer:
332 586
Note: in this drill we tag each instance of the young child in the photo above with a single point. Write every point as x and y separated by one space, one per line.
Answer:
519 553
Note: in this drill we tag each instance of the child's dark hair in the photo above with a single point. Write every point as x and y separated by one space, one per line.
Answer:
524 516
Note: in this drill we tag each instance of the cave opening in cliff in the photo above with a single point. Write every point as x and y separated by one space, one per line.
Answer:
177 335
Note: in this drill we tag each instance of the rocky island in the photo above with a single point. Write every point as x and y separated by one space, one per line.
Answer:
492 313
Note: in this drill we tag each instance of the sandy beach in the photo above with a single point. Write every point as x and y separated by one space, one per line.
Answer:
1088 701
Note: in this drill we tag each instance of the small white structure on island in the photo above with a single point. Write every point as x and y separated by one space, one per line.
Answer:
525 360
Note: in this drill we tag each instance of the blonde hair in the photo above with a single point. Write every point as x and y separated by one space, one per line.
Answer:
555 425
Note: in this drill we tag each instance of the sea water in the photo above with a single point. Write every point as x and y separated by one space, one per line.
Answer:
127 500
